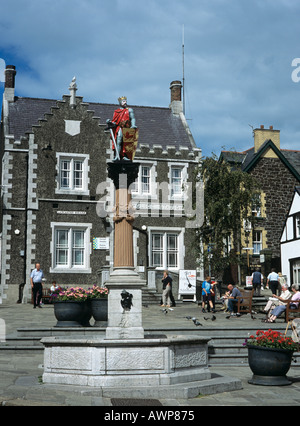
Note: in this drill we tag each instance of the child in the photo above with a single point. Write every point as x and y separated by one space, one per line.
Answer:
206 294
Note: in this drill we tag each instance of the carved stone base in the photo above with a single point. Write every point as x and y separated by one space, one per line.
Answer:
158 361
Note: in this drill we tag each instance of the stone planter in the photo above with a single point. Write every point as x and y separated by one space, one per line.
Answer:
269 365
99 311
69 313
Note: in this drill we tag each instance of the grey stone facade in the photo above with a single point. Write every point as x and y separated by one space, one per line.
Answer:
277 172
47 142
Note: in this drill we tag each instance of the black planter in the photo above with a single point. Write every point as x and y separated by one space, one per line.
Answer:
269 365
87 314
69 313
100 311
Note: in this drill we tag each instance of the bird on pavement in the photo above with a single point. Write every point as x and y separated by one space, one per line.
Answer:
196 322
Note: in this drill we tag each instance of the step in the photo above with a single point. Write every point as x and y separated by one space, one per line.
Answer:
226 348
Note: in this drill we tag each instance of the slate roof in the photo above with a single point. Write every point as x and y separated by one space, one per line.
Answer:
246 158
157 126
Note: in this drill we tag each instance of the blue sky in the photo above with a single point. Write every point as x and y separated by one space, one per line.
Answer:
238 59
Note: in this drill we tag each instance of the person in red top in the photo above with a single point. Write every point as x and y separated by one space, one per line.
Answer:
123 118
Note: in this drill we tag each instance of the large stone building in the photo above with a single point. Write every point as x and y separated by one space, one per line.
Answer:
57 200
277 172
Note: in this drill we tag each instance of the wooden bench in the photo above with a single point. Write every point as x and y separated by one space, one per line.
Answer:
244 304
291 314
46 295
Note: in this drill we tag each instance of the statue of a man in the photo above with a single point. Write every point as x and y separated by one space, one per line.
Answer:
123 119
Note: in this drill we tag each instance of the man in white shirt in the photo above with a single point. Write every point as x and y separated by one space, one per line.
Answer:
36 278
273 281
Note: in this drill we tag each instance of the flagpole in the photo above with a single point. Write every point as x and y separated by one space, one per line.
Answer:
183 78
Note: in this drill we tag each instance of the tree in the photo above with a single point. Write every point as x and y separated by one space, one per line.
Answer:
228 196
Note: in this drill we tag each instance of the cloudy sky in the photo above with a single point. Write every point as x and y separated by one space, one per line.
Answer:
238 59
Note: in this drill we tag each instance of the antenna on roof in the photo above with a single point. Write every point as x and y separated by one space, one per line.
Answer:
183 78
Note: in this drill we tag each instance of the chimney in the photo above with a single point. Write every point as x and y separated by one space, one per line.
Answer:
262 135
176 102
10 73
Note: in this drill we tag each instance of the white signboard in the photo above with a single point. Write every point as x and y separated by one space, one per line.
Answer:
101 243
187 281
249 281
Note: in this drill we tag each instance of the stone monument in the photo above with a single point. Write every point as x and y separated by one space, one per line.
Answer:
128 362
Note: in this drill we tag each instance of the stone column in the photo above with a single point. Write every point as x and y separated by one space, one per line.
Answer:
125 285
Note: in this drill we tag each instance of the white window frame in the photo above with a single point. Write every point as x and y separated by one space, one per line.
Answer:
257 243
164 232
297 225
184 177
70 228
296 271
137 186
73 158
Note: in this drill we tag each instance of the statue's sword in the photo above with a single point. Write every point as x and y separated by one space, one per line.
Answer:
113 138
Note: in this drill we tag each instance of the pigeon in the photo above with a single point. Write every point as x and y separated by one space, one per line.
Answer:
205 318
196 322
213 318
188 318
165 311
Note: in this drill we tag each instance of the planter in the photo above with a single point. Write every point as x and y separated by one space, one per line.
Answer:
87 314
100 311
69 313
269 365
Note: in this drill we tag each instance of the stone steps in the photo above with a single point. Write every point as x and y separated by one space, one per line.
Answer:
225 346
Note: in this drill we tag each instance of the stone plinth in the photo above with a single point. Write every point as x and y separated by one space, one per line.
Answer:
124 322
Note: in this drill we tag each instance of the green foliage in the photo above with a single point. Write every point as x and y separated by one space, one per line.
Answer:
228 197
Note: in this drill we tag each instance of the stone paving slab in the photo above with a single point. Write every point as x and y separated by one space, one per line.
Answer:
20 375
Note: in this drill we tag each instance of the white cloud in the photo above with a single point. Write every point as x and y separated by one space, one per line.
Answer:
238 58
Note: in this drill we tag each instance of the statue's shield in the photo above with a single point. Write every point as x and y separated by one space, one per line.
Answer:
130 141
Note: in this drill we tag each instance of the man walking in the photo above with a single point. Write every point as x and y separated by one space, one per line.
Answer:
257 282
167 288
36 284
273 281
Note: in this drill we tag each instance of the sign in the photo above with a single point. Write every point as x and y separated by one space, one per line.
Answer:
187 282
73 212
101 243
249 281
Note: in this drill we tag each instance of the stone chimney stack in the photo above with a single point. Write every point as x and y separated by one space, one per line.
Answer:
261 135
176 102
9 92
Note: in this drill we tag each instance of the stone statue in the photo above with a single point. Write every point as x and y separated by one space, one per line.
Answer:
124 132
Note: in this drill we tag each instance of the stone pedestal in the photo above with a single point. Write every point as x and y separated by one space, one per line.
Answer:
124 322
125 285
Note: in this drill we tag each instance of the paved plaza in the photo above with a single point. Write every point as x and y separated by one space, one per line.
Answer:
21 372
